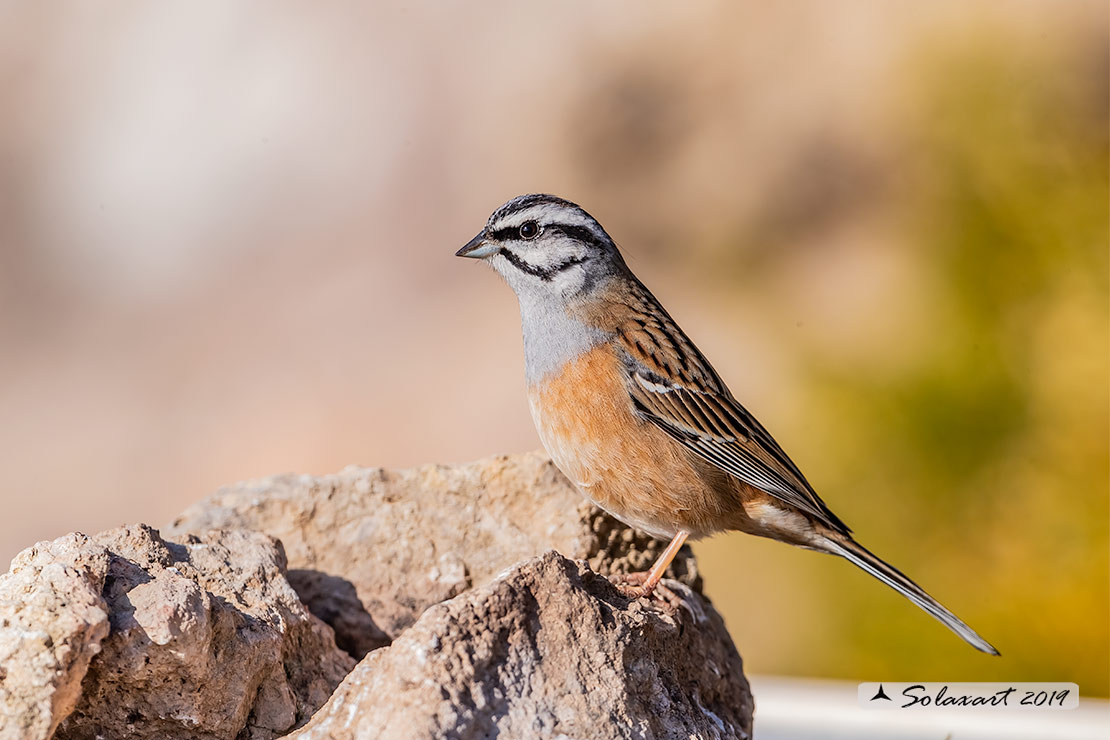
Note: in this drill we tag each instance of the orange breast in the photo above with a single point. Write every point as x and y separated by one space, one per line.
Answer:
626 465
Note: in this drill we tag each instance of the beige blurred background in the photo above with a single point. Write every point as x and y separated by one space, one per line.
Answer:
226 237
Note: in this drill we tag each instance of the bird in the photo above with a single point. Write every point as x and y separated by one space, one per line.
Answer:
633 414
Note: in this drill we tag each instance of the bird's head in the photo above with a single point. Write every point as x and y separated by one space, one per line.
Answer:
544 246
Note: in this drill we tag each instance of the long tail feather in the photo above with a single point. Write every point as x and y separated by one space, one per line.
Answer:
900 582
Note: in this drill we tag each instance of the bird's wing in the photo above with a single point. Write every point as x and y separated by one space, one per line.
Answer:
721 431
675 387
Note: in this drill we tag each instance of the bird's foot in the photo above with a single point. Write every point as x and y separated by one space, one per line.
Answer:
640 585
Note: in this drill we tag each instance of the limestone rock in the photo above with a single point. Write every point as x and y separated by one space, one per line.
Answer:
370 549
548 650
203 633
207 640
52 622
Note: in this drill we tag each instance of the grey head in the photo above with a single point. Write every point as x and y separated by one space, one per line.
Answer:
543 245
552 254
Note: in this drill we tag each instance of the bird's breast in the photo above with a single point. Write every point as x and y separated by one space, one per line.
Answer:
625 464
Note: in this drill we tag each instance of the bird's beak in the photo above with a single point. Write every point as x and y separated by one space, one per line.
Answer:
478 247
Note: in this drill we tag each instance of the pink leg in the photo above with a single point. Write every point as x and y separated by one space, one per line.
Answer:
647 582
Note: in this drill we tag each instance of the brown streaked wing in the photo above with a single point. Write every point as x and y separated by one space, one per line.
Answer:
721 431
674 386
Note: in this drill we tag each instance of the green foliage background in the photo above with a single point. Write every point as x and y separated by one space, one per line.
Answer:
979 464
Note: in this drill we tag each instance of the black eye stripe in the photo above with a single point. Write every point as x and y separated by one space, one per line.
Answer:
506 234
582 234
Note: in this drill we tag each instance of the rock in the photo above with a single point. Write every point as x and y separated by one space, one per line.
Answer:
52 622
370 549
203 633
207 640
549 649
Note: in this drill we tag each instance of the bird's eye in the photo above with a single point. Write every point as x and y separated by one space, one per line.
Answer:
529 230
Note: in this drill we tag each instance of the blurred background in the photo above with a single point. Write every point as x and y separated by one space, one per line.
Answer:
226 238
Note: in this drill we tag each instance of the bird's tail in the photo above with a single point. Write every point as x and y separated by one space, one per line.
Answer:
848 548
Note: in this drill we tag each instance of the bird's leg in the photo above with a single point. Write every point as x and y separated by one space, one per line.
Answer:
635 585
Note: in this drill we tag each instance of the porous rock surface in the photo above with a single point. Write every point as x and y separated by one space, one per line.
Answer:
548 650
213 632
52 622
370 549
126 634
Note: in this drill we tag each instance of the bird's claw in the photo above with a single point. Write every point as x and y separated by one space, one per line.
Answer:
632 586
